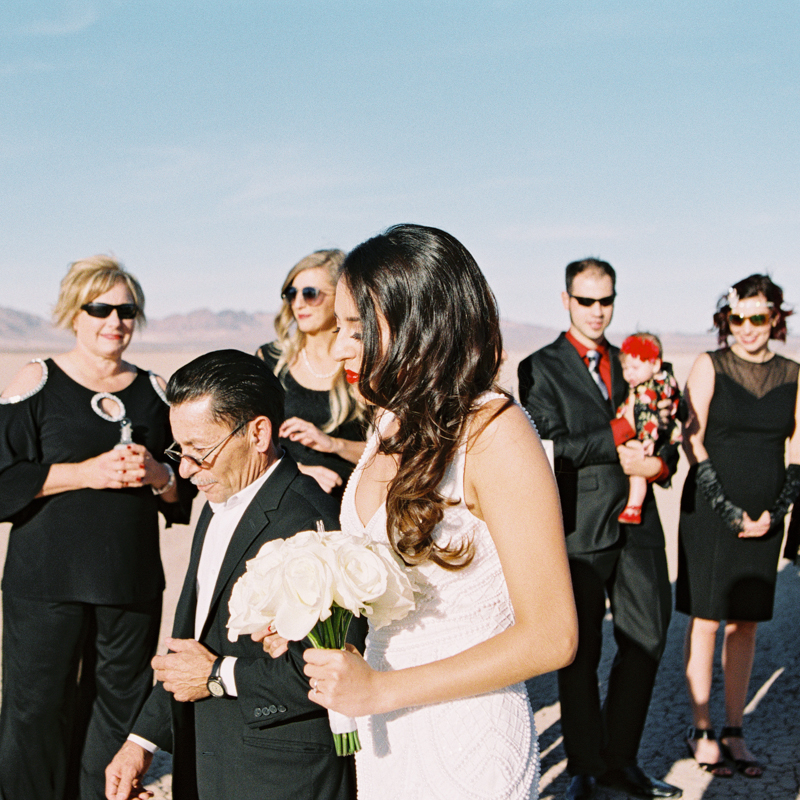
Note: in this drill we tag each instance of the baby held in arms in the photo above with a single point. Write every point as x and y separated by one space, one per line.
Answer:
650 381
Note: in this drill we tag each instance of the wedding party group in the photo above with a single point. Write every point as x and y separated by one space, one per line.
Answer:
390 545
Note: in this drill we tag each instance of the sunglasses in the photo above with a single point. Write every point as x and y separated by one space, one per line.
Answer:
588 302
103 310
312 296
176 454
756 320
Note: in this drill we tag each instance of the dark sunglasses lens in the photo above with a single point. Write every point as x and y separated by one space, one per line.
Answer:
289 295
587 302
103 310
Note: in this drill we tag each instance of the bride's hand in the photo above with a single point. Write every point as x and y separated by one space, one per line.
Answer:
272 642
343 681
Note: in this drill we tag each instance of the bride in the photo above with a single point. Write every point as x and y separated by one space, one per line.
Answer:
455 478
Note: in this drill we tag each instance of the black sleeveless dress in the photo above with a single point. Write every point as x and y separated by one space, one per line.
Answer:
751 415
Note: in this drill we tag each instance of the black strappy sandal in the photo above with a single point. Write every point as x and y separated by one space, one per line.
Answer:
747 767
718 770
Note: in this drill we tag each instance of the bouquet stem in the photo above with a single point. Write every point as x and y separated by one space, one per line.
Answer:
331 634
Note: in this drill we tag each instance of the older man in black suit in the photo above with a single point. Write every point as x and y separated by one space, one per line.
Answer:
571 389
239 723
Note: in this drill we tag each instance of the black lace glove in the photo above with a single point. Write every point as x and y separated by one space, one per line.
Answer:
712 490
789 492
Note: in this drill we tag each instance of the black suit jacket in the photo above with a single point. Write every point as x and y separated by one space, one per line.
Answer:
271 740
560 395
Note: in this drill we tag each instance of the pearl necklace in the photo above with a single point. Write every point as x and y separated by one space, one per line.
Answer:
311 369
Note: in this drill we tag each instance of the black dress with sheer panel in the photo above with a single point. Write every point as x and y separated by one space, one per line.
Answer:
751 415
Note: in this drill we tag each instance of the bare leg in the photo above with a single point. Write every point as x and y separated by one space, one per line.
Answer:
737 662
637 491
698 659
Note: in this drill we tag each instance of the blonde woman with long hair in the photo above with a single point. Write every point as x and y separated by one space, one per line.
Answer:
323 430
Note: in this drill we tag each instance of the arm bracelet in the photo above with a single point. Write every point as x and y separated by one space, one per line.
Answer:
170 481
710 486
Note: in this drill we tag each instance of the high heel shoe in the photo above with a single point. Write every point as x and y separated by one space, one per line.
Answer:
748 767
718 770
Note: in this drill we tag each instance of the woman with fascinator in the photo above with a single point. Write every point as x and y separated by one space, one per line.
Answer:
743 407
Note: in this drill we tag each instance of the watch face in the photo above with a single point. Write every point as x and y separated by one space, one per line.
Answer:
215 687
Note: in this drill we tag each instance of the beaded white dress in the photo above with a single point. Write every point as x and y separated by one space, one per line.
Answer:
476 748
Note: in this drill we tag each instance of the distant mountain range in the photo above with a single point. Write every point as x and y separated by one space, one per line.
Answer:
23 332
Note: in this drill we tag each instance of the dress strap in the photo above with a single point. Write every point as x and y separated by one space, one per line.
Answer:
18 398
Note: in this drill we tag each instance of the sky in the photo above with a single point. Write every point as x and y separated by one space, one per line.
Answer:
210 146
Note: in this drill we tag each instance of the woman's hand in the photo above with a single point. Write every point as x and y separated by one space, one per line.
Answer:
272 643
141 469
752 529
107 471
326 478
307 434
343 681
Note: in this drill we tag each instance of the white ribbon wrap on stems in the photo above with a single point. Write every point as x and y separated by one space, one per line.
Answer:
340 723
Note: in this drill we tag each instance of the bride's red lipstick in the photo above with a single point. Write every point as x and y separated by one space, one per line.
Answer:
350 376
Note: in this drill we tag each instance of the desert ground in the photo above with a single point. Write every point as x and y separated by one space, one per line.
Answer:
669 703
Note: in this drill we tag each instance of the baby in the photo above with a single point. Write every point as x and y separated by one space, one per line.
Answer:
650 382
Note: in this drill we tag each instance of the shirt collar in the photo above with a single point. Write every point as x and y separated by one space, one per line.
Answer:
247 494
601 346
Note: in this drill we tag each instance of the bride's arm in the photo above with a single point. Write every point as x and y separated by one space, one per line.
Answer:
508 484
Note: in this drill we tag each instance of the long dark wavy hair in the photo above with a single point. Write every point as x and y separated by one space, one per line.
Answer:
444 351
752 286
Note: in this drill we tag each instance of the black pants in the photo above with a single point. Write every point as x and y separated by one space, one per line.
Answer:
599 737
75 676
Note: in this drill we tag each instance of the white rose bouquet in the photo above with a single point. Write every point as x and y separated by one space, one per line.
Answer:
312 585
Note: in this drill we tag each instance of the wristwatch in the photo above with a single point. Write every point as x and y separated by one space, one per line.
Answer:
214 682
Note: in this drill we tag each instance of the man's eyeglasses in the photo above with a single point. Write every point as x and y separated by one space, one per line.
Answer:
311 295
588 302
756 320
176 454
103 310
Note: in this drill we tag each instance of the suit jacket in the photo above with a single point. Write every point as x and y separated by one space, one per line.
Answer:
271 740
560 395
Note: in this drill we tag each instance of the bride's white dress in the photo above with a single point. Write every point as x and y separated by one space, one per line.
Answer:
479 747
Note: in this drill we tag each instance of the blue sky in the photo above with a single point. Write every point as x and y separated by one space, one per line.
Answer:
211 145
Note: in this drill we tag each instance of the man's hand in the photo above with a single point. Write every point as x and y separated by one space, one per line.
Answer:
185 671
634 460
125 772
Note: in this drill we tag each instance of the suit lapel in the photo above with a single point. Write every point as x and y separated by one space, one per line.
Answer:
183 628
252 525
576 364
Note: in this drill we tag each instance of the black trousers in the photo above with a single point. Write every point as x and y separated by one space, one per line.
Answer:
75 676
605 736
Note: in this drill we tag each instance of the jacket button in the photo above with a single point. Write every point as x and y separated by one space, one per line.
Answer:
257 712
265 711
273 709
281 709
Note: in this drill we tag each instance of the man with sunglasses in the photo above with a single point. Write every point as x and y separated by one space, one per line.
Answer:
571 389
239 723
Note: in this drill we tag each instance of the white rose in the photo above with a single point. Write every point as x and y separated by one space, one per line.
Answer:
306 593
398 599
253 601
360 574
